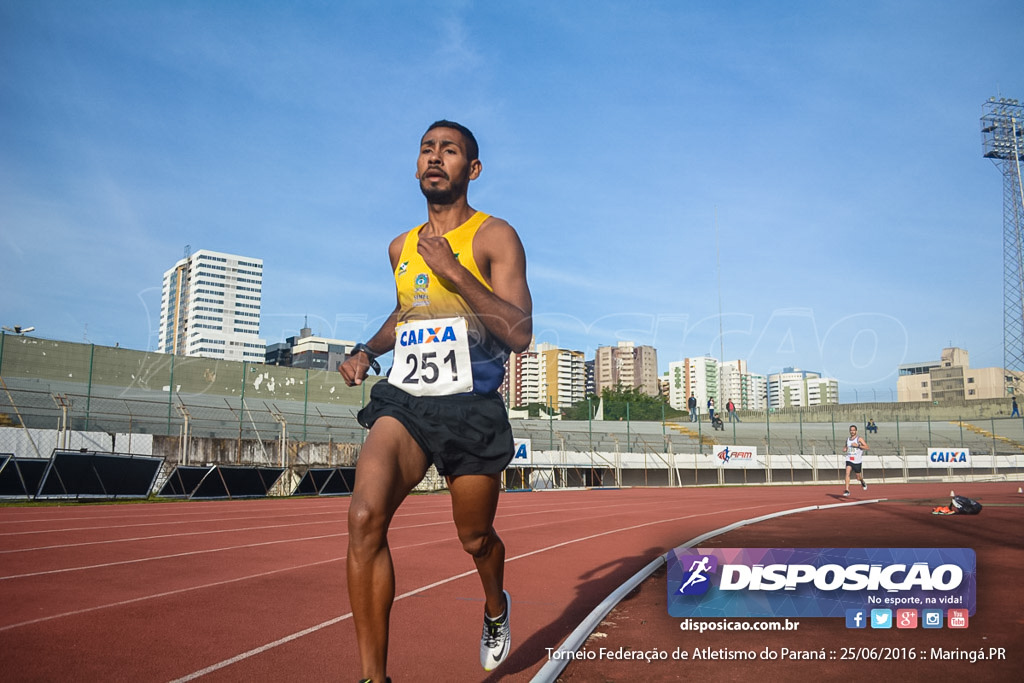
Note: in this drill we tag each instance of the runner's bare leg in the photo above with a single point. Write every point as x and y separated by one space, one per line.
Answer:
390 464
474 504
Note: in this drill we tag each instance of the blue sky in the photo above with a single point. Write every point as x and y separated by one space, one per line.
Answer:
834 145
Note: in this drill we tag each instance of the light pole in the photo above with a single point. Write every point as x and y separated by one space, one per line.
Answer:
1002 127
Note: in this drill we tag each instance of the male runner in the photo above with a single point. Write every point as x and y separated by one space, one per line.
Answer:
463 304
854 449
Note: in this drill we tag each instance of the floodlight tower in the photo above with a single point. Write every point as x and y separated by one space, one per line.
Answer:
1002 129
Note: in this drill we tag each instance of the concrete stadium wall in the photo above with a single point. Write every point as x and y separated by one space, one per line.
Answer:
859 413
40 443
226 452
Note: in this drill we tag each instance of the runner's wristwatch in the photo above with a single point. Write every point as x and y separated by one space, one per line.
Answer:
363 348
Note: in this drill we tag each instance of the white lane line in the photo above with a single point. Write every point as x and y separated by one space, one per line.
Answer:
400 515
242 529
204 520
141 510
160 536
330 622
168 557
550 671
165 594
445 539
218 520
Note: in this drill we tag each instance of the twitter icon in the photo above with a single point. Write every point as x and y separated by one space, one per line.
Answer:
881 618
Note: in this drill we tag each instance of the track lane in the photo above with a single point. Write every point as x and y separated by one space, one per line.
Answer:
566 552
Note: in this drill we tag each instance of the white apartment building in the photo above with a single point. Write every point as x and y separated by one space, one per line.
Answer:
522 385
794 387
210 307
705 377
702 381
749 391
677 384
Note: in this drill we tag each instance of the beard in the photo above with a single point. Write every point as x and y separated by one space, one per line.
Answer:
444 196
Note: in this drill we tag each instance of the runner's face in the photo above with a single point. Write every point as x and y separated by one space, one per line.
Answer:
853 431
443 170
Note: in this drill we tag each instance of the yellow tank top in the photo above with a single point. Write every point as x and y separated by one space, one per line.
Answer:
422 295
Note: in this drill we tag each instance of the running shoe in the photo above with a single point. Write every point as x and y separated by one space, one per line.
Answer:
497 637
846 493
864 485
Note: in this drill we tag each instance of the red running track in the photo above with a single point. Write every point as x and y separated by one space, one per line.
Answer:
255 590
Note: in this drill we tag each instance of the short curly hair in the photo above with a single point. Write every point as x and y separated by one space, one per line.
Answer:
472 148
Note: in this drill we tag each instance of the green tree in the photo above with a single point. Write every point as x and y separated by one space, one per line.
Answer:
578 411
641 406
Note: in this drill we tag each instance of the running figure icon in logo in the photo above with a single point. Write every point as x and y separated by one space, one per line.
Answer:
696 582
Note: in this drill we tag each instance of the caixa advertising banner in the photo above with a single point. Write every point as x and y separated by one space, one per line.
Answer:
736 456
817 582
523 453
949 457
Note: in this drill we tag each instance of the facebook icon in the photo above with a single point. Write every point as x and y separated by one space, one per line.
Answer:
856 618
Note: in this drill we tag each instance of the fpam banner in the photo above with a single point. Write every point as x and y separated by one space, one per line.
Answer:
736 456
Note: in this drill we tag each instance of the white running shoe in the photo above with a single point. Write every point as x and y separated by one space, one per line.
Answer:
496 640
864 486
846 493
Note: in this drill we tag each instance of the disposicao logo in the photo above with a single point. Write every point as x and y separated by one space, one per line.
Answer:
818 582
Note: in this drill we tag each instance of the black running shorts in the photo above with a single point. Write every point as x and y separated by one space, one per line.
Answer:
854 466
462 434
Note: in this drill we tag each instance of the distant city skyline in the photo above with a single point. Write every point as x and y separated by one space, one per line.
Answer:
801 184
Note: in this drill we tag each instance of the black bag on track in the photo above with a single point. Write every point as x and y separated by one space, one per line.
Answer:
965 506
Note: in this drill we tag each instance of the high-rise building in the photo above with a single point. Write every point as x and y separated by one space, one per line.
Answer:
210 307
705 377
678 387
563 376
702 381
628 366
747 390
522 383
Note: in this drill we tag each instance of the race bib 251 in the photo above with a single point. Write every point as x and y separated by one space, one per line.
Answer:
432 357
